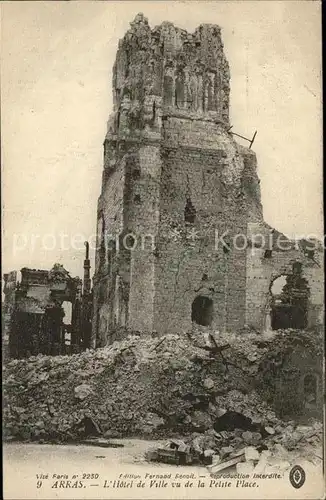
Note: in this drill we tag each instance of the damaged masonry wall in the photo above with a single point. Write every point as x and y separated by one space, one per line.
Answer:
46 312
174 174
272 256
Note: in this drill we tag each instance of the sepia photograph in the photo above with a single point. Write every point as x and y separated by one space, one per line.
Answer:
162 249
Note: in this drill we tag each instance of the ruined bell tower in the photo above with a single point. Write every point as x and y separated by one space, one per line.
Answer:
174 179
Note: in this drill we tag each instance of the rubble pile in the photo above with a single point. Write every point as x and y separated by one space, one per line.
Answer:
280 447
248 452
194 386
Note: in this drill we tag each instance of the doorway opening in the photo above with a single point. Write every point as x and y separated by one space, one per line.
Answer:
202 310
290 294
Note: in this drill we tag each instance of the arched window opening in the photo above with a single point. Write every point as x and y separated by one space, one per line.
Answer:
281 316
210 96
310 388
167 90
277 286
179 92
153 112
190 212
193 94
202 310
310 254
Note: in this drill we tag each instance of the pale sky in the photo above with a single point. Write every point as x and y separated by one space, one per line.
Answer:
56 97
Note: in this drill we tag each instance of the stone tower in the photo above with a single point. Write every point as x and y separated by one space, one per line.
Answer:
174 180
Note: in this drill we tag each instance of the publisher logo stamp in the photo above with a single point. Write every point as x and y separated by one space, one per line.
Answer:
297 476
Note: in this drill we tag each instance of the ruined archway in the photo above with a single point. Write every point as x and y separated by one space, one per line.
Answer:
289 300
281 317
202 311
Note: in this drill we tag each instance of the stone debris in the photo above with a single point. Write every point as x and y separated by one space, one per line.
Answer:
262 462
270 430
245 467
178 452
180 390
226 465
268 453
251 453
83 391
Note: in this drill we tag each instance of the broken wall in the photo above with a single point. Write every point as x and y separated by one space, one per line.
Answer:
143 220
205 167
110 215
36 324
262 270
290 375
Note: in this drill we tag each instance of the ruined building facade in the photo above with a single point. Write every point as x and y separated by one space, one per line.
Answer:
174 181
46 312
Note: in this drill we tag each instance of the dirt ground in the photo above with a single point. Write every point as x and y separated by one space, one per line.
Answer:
30 460
37 471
